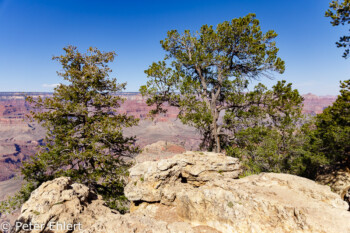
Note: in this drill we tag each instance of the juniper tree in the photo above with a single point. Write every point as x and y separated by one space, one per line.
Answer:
84 138
332 135
339 12
204 74
271 136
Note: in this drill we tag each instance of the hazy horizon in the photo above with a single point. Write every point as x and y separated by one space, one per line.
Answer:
126 91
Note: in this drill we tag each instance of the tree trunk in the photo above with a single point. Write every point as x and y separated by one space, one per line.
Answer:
217 142
217 147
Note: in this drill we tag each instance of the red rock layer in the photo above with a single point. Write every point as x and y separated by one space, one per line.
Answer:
18 139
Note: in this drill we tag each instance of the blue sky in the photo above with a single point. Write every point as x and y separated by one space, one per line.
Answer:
31 32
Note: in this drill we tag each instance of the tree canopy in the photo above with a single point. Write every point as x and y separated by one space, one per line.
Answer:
271 136
339 12
206 74
84 138
333 125
333 128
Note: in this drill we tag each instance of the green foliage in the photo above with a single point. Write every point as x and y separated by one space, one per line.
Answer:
207 73
15 201
264 149
332 135
272 137
84 133
339 12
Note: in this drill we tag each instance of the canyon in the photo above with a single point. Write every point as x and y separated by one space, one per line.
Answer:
19 137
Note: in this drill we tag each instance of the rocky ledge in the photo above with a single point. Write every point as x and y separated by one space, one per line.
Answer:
193 192
338 179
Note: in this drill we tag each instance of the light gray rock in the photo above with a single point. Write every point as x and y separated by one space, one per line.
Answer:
193 192
60 205
199 188
150 181
338 180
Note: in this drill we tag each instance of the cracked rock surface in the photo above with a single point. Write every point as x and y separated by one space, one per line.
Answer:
201 189
192 193
64 202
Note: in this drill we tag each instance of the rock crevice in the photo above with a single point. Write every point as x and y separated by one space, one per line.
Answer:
202 189
192 193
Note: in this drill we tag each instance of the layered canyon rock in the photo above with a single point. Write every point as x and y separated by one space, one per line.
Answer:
8 188
19 138
172 131
192 192
314 104
18 141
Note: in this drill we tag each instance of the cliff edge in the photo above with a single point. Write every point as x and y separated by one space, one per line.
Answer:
191 192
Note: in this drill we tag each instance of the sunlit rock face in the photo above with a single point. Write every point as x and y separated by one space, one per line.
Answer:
338 179
192 192
204 189
82 211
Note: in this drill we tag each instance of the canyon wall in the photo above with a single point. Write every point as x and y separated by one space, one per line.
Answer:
19 137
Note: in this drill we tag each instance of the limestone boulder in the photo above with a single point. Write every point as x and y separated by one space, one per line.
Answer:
158 181
338 180
193 192
201 189
66 207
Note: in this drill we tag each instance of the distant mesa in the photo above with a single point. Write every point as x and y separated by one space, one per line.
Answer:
19 138
12 104
314 104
